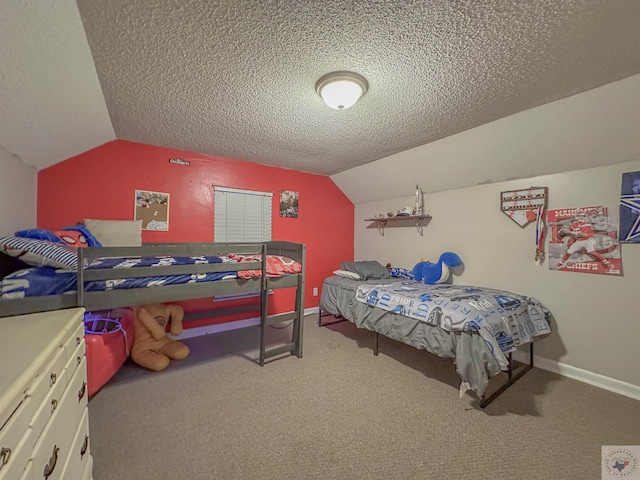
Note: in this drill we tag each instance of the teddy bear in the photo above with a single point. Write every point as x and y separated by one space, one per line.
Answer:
152 348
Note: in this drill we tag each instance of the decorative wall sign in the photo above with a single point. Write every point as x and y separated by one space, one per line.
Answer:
630 208
289 203
521 206
179 161
153 209
584 240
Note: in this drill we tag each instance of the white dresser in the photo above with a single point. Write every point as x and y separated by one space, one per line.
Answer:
44 423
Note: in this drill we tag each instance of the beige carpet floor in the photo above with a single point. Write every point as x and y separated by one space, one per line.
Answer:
342 413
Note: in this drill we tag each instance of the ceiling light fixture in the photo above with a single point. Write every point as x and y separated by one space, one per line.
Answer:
341 90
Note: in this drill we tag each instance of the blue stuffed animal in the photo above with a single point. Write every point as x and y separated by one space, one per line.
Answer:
432 273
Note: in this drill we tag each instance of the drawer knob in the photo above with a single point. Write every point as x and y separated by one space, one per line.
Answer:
82 391
78 359
52 379
78 340
5 455
85 446
54 404
48 468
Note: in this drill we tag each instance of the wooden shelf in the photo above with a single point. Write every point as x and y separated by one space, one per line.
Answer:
398 220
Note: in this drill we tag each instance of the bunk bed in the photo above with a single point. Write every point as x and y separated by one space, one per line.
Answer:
479 352
112 277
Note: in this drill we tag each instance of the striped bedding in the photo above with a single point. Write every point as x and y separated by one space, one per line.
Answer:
48 280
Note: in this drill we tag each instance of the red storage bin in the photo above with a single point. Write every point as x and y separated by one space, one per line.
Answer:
108 338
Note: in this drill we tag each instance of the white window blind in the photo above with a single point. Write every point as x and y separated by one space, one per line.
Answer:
241 215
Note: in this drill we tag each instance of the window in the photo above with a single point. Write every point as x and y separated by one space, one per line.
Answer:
241 215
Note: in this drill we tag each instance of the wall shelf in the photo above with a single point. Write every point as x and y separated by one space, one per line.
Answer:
400 221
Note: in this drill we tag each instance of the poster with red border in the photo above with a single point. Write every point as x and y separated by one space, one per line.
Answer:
584 240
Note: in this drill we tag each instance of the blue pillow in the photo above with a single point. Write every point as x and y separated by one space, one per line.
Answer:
91 240
39 234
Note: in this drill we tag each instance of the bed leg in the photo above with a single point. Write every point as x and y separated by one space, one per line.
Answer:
320 315
377 348
514 375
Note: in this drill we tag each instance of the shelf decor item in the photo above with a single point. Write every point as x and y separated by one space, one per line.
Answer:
521 206
419 207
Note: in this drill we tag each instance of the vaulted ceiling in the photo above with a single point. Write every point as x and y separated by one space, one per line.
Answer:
236 78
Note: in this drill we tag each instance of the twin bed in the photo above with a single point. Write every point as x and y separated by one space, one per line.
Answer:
112 277
479 328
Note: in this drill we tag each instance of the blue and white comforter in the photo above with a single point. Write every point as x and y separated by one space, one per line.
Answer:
39 281
504 320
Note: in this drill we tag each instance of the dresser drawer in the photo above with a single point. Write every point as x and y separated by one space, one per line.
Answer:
88 469
51 377
54 446
27 471
48 378
15 441
48 406
74 359
76 340
79 453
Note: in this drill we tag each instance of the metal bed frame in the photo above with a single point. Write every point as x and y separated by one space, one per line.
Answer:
93 301
514 373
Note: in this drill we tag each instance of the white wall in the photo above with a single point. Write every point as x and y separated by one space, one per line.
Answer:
591 129
17 194
596 334
597 324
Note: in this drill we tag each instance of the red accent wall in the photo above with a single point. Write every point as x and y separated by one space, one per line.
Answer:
100 184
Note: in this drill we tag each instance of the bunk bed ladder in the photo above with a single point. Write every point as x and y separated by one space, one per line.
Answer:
296 317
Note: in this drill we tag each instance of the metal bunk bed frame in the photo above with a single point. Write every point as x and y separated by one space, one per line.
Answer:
93 301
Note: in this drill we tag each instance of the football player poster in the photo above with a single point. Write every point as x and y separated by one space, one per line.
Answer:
584 240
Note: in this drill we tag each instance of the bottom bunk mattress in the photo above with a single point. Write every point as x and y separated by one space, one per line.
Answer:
475 358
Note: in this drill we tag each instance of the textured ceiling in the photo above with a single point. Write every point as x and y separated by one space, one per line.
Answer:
236 78
51 103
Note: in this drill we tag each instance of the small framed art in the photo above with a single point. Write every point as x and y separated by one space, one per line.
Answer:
153 209
289 202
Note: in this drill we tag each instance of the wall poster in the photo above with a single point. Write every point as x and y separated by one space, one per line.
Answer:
153 209
630 208
584 240
289 203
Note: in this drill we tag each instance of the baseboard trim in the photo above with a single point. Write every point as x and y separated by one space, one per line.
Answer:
217 328
309 311
597 380
224 327
569 371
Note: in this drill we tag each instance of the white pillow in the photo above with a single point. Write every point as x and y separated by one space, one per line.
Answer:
347 274
116 233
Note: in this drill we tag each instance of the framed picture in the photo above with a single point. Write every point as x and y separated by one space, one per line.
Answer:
153 209
289 203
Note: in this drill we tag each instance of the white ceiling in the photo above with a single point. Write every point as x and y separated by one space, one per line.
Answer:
236 78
